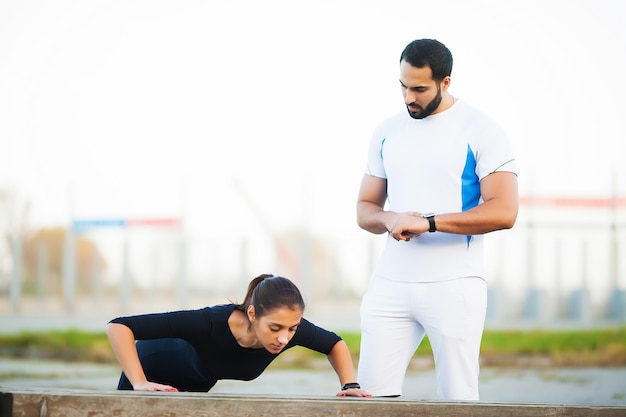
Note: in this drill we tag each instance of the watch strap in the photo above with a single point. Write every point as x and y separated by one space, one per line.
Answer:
431 222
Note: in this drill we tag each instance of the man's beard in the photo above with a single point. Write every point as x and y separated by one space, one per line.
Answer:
430 108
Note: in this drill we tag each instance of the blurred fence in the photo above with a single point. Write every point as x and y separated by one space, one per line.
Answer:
555 267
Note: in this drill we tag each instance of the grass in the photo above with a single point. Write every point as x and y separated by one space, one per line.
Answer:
604 347
70 345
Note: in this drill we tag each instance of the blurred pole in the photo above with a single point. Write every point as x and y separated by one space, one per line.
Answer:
69 270
558 277
307 243
182 289
579 300
16 275
96 276
584 284
532 301
306 266
617 300
244 276
155 269
69 257
614 256
125 284
494 292
42 270
528 300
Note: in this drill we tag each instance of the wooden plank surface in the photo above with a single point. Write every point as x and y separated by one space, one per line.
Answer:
75 403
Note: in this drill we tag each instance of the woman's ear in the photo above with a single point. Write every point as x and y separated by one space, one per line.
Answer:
251 314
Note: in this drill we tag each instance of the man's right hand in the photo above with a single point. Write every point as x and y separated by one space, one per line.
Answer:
407 225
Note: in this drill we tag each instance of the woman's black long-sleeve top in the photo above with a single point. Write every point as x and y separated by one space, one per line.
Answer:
192 349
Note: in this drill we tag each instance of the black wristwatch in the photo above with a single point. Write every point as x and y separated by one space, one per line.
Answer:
350 385
431 221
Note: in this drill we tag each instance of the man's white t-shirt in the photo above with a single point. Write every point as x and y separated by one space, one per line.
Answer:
435 165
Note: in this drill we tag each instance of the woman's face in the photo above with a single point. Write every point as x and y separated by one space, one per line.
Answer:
276 328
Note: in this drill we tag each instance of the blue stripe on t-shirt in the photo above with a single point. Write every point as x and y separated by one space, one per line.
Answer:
470 184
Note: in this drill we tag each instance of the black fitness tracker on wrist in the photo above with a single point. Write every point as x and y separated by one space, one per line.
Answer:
350 385
431 221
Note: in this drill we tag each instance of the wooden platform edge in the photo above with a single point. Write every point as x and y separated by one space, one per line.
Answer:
44 402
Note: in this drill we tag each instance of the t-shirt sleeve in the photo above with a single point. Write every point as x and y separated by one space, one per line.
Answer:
314 337
184 324
375 166
495 151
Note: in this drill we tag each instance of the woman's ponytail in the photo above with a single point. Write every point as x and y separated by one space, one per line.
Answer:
268 292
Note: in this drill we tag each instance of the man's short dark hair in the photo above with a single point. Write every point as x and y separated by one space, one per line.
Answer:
429 52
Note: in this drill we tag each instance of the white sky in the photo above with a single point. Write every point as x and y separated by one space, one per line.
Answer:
155 108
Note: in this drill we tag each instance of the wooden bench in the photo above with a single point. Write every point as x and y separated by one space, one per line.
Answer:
31 402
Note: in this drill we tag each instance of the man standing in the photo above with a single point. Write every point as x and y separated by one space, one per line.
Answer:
447 172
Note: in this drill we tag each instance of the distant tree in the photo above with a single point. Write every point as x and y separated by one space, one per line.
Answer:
88 259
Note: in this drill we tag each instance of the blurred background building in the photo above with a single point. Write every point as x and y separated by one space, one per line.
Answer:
564 264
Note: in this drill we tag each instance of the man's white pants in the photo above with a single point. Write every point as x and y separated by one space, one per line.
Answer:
395 316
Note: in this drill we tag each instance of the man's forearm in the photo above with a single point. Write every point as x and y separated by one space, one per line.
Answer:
371 217
479 220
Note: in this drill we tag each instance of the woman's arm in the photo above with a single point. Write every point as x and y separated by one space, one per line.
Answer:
341 361
122 341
